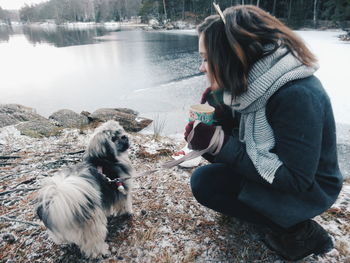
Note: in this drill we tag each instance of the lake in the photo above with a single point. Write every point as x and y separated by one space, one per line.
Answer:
153 72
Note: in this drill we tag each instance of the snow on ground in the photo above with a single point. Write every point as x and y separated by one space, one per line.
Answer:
334 60
168 224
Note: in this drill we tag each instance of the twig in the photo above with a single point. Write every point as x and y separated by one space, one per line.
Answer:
12 211
27 181
71 153
2 178
20 245
25 172
19 221
17 190
9 157
4 164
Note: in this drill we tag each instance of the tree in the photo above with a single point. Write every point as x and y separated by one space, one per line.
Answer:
315 13
165 14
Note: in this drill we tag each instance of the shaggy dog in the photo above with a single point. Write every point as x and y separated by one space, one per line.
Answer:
74 204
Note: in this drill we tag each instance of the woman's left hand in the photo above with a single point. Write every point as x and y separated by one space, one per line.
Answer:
202 135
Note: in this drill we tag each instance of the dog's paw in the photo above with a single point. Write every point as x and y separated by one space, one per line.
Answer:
129 212
128 215
105 252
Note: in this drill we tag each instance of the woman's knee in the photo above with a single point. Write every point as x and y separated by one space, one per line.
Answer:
199 183
205 180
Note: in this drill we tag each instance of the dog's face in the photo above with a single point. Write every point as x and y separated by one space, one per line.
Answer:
119 138
109 141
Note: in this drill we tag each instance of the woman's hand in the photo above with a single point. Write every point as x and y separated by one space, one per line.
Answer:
202 135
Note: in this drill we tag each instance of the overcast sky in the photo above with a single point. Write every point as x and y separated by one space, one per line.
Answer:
17 4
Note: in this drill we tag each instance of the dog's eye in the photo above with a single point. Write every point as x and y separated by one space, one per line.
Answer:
123 137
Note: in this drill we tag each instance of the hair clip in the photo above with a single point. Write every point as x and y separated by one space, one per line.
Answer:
218 10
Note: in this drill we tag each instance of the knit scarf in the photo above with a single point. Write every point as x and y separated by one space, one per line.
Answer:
264 79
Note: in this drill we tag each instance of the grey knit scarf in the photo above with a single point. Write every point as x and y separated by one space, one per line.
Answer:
264 79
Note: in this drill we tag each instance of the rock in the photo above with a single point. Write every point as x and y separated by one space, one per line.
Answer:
180 24
9 238
169 26
11 114
126 117
153 22
38 128
143 212
69 119
85 113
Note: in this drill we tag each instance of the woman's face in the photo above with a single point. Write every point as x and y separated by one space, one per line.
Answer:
204 65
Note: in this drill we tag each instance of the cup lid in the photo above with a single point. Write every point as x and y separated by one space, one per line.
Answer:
202 108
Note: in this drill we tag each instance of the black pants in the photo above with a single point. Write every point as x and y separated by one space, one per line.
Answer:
216 186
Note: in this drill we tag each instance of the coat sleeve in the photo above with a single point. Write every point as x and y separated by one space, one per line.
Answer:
296 117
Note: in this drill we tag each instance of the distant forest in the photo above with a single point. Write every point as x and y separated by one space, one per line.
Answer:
296 13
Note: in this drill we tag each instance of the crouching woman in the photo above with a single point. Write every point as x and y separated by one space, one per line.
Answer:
278 163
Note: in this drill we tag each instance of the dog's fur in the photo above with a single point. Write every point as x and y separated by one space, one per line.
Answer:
74 204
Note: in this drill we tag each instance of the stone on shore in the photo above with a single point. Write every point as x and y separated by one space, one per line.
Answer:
12 114
69 119
34 125
38 128
127 118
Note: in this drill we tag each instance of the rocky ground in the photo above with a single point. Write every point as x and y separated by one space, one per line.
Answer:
168 225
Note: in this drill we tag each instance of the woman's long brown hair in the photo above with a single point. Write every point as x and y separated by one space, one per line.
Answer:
232 48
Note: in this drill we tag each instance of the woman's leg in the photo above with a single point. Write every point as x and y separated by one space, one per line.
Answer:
216 186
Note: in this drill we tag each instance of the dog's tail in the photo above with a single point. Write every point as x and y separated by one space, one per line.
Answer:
67 200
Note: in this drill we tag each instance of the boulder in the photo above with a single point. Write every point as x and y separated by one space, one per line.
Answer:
11 114
38 128
69 119
153 22
169 26
126 117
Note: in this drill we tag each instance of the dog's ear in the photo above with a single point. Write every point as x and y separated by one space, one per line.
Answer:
101 147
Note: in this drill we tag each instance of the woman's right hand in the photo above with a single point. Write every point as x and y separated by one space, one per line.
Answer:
205 94
214 98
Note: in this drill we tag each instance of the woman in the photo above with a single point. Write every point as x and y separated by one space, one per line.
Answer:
278 164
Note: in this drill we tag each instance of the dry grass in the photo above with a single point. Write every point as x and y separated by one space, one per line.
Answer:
168 224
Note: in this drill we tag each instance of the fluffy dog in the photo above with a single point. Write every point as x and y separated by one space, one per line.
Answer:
74 204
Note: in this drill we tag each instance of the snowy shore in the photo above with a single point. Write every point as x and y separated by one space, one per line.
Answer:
168 224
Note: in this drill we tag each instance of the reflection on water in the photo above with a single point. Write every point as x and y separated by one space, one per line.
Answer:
62 37
57 36
5 32
152 72
112 70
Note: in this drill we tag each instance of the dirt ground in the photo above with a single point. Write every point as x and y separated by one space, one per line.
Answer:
168 225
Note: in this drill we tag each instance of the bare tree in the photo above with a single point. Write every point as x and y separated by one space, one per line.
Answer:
165 14
274 7
315 13
289 9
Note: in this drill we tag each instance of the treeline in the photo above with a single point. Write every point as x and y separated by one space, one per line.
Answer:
80 10
6 16
294 12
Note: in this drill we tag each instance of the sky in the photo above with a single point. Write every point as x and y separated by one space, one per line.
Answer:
17 4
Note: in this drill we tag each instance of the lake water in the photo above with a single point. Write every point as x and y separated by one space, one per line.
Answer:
155 73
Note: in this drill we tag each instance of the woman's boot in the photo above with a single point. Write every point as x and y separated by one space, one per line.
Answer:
301 240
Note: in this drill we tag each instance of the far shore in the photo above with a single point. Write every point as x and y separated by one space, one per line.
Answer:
131 24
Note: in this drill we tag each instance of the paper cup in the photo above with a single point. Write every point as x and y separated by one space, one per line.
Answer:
202 112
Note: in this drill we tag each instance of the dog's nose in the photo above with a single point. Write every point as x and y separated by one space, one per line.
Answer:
124 139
